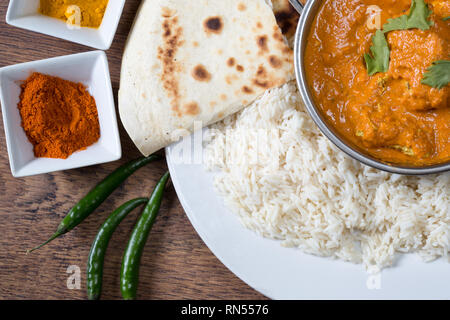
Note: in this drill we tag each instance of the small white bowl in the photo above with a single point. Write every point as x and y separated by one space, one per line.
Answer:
24 14
91 69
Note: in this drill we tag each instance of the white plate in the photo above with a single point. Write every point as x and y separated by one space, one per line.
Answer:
89 68
287 273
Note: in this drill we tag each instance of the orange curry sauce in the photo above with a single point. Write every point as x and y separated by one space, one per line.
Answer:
391 115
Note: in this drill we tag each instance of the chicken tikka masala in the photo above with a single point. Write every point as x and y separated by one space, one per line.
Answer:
393 114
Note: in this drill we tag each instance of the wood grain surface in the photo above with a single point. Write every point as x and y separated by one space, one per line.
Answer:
176 263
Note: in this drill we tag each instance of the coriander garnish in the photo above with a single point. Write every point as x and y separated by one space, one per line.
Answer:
438 75
378 60
417 18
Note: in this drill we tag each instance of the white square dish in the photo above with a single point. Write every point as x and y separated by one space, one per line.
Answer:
91 69
24 14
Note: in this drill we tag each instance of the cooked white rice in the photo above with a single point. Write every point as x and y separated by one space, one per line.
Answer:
286 181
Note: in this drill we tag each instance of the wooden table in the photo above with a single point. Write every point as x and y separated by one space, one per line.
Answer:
176 263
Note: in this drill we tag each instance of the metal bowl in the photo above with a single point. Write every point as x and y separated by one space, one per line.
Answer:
308 13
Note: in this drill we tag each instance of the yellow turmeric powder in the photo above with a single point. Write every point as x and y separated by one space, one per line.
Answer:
91 11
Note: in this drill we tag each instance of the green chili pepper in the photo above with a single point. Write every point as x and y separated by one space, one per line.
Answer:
100 244
129 274
96 196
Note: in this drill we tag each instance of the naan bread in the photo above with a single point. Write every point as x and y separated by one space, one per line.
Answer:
199 61
287 17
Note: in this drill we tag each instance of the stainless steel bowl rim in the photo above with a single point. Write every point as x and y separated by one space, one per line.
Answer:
299 46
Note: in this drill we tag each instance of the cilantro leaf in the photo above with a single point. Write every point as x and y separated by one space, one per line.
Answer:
378 60
446 18
438 75
416 18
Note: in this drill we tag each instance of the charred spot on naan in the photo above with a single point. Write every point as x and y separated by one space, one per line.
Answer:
242 7
231 62
278 36
261 72
275 62
171 35
262 42
200 73
265 79
213 25
191 109
167 12
230 78
286 16
247 90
